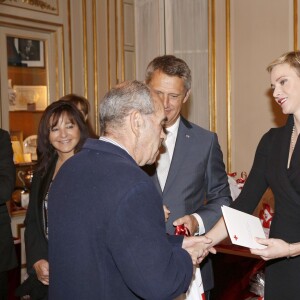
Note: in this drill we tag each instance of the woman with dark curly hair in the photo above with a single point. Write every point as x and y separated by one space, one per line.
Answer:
62 132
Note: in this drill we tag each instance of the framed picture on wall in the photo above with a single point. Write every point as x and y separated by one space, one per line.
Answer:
25 52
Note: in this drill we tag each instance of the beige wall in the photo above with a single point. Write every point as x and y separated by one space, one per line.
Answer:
259 31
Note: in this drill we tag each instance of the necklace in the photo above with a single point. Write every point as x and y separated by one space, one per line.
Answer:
293 139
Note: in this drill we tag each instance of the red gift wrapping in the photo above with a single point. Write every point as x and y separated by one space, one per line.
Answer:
182 230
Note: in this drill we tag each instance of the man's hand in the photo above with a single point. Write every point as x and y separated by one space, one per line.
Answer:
42 271
275 248
167 212
198 247
189 221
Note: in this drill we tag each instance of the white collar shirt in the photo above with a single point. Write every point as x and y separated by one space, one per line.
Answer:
172 132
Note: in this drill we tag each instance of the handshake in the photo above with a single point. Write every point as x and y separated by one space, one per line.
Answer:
198 247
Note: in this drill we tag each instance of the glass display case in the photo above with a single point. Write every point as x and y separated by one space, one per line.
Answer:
31 78
27 93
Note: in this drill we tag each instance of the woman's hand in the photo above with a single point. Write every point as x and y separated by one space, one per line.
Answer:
275 248
42 271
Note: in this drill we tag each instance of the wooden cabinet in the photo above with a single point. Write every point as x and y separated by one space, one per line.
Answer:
27 75
25 121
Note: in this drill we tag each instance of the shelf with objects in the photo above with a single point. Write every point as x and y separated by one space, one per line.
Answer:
27 92
20 197
27 98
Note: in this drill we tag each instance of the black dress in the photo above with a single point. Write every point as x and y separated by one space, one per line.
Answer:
270 170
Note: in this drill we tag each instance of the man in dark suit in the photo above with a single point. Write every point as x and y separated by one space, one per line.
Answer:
107 236
29 49
194 185
8 258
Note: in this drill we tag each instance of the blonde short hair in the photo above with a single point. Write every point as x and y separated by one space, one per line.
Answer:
291 58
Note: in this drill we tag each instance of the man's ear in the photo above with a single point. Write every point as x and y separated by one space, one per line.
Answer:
136 122
187 95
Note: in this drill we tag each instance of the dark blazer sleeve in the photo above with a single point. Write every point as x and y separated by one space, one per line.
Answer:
217 187
147 256
175 240
256 183
7 167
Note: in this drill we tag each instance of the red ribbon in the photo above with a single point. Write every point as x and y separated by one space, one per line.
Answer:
232 174
182 230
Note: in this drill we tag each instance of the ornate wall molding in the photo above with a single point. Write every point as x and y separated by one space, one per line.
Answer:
295 24
212 65
47 6
228 84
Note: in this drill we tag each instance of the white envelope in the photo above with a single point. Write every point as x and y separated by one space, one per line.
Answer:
243 228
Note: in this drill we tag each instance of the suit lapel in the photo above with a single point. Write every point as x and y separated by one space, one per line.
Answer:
180 151
281 157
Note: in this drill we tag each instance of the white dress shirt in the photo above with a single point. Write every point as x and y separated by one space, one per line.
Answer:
170 142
